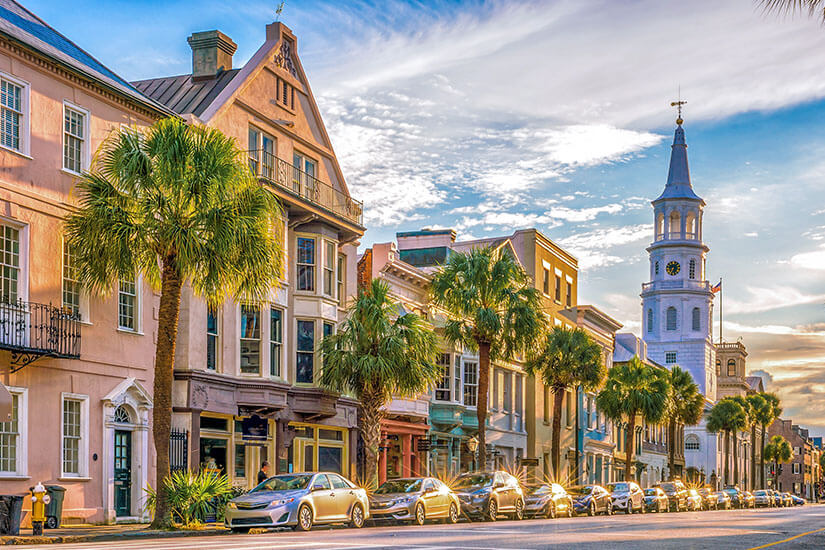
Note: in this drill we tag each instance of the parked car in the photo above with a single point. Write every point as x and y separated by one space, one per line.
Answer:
748 500
676 494
694 500
486 495
735 497
797 501
626 496
786 499
777 498
655 500
416 500
722 500
299 501
591 500
548 500
709 500
763 498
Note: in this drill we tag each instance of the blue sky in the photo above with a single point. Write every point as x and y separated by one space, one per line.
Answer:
491 116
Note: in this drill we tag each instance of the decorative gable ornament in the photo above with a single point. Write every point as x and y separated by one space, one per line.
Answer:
284 58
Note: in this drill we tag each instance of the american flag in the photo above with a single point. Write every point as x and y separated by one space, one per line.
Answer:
717 287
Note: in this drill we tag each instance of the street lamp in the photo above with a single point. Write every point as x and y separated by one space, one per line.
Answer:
472 446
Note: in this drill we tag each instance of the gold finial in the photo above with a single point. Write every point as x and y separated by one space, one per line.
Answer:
678 104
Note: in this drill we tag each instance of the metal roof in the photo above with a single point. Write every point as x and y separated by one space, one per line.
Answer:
678 176
183 94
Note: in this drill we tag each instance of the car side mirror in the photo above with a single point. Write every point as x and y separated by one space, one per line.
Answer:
429 490
316 488
498 485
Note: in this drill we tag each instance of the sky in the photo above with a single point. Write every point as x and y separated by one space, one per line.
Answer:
490 116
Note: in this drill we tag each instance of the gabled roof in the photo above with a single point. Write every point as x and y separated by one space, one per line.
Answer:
22 26
183 94
755 383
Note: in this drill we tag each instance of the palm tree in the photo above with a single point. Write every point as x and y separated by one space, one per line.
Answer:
177 205
493 309
685 406
815 8
767 415
778 451
757 404
634 389
568 358
749 417
377 354
729 417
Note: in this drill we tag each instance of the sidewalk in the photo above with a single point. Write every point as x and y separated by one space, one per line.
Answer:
99 533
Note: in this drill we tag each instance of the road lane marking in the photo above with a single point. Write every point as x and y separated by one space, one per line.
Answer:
788 539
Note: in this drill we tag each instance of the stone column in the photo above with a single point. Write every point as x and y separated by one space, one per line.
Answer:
195 441
382 465
406 455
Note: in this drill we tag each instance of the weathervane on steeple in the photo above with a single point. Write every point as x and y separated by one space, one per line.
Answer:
678 104
279 11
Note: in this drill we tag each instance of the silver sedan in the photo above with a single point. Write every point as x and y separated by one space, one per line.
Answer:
299 501
416 500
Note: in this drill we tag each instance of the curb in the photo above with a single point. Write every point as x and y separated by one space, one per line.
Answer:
62 539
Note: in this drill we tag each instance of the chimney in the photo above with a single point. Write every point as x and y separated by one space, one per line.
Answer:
211 53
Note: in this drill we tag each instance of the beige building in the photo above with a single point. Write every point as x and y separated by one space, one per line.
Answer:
245 387
80 414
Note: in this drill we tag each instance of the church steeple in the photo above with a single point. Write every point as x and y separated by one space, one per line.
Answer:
678 176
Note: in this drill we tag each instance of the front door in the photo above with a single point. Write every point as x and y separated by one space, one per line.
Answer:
123 473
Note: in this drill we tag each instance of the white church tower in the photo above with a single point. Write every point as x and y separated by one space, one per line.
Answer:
677 303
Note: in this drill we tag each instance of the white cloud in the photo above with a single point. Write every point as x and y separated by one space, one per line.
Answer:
592 247
810 260
761 299
583 144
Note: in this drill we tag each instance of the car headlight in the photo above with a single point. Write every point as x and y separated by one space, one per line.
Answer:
482 495
281 502
232 506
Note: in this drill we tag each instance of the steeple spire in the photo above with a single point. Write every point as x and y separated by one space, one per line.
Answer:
678 176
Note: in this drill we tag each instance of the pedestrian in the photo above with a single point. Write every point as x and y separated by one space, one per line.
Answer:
263 474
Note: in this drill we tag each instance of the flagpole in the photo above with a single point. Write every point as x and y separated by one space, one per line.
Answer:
720 309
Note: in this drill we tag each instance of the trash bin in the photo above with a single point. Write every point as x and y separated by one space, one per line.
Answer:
54 509
11 507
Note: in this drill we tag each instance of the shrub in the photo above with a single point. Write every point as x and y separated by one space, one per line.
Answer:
190 495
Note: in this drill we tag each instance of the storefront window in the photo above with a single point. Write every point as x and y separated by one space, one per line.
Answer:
213 454
319 449
309 458
240 460
250 339
305 352
329 459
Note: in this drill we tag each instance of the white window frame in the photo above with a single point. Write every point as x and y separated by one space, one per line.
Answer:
217 335
313 265
25 113
329 260
279 345
446 375
340 282
86 152
466 386
137 309
260 338
83 444
796 468
22 444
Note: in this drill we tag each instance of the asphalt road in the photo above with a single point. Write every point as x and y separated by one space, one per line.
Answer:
730 529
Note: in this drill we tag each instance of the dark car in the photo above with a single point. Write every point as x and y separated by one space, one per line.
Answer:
487 495
548 500
655 500
414 499
677 495
626 496
736 497
797 501
591 500
709 499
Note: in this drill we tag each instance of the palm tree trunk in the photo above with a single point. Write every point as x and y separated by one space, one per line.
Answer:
727 457
481 401
629 444
735 459
762 459
164 364
371 432
753 457
671 448
558 398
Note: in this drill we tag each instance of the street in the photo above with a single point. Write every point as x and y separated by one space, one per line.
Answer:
732 529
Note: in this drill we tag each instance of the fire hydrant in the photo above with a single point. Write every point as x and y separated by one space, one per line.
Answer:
39 501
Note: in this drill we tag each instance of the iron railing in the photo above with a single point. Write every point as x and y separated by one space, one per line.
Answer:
671 285
31 330
677 235
178 450
276 171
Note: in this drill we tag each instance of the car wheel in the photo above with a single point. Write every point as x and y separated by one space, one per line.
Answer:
642 508
492 510
629 509
452 515
420 517
519 513
570 509
304 518
356 519
592 510
551 511
609 510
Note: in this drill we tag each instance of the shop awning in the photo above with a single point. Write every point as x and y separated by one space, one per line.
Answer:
5 403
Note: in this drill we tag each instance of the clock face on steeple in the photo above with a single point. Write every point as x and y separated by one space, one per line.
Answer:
673 268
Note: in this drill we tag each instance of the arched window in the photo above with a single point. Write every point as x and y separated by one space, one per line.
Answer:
122 415
692 269
691 442
671 318
690 225
697 316
660 226
731 367
650 320
718 367
675 226
656 268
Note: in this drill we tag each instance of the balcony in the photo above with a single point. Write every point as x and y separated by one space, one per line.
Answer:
30 331
675 285
298 184
677 236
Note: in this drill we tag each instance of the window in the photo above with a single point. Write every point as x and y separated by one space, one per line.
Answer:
304 174
12 444
71 283
250 339
74 434
74 139
276 340
304 364
796 468
670 357
692 269
240 460
442 389
558 288
656 268
507 391
254 153
261 153
731 367
546 283
329 269
569 297
340 280
470 383
457 379
697 318
286 94
10 263
12 105
212 337
306 264
650 320
671 318
121 415
328 329
127 304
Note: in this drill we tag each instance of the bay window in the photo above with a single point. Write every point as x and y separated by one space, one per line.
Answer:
275 341
306 263
250 339
442 389
329 268
305 352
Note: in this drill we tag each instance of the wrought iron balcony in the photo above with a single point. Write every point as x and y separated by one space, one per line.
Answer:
31 331
278 172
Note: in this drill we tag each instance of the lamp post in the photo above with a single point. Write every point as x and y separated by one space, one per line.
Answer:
472 446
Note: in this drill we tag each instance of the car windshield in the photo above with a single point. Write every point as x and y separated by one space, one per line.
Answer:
731 491
538 490
761 493
283 483
618 487
399 486
473 480
584 490
650 492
